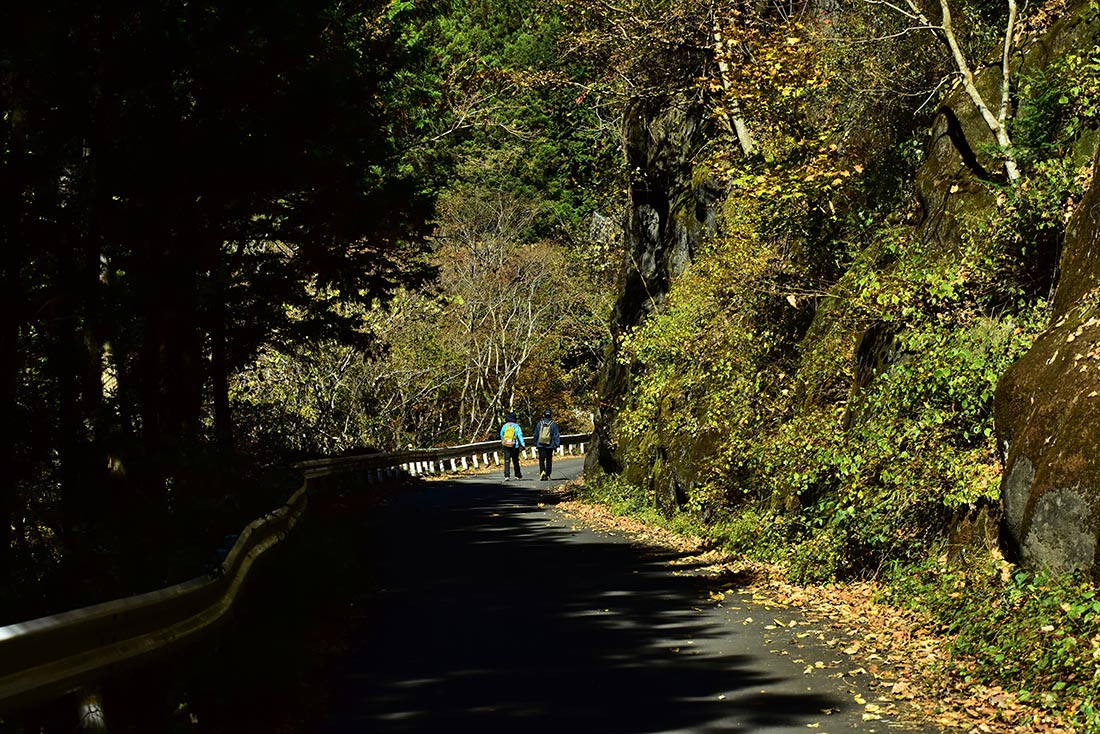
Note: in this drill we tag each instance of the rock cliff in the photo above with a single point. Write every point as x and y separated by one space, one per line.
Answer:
669 214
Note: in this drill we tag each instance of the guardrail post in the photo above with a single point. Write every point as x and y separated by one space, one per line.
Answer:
464 466
496 458
90 711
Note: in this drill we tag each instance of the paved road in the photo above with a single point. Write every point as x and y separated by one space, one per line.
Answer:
483 610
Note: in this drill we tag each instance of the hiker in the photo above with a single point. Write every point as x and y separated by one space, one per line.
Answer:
547 440
511 439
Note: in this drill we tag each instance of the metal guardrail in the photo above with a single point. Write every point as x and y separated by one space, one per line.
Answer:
46 658
435 461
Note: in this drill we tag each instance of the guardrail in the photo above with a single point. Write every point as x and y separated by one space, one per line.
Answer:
49 657
418 462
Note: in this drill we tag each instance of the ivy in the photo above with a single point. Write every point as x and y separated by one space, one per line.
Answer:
1040 631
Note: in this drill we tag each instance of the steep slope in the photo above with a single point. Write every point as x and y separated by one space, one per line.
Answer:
808 350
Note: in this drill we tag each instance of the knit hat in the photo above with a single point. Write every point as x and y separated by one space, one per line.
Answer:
511 416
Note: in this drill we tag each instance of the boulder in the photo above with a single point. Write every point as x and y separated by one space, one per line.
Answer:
1047 412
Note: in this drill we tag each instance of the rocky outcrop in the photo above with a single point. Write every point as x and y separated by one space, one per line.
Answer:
957 183
1048 415
669 215
1047 404
952 184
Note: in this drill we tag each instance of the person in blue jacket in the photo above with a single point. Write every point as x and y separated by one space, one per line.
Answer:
511 440
547 440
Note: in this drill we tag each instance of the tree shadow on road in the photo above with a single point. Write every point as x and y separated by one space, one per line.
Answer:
479 614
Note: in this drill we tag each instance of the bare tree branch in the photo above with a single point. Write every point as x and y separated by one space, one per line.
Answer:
997 123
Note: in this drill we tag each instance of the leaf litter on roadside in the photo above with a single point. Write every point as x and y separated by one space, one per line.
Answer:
905 659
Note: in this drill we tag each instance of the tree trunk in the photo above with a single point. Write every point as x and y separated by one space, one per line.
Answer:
734 122
176 369
77 365
997 124
76 504
11 249
219 368
9 371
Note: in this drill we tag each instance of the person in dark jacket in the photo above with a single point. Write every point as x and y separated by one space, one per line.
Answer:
547 439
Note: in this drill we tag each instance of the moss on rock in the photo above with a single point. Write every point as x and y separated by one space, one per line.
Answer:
1046 409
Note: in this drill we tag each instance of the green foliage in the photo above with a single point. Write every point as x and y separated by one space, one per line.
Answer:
1038 631
639 50
708 348
845 368
510 97
918 444
621 497
756 536
1057 105
521 163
